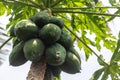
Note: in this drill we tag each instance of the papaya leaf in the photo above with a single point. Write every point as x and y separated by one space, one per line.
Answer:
98 46
114 68
115 71
105 74
97 74
116 53
101 62
112 2
2 8
57 78
88 41
110 44
88 52
80 45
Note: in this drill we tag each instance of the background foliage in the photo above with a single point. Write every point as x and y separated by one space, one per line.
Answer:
82 18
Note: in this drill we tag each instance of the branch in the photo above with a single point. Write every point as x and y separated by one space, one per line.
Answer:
85 45
84 12
5 42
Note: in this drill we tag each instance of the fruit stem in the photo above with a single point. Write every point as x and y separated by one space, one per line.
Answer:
5 42
86 45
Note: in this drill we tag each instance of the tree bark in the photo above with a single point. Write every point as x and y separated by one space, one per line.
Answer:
37 71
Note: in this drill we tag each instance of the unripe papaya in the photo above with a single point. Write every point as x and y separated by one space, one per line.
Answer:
16 57
55 70
65 39
50 33
75 52
71 64
56 21
48 74
26 29
33 49
55 54
40 19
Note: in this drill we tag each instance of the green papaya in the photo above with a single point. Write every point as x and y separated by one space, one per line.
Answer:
72 49
16 57
55 54
65 40
55 70
71 64
33 49
50 33
40 19
26 29
56 21
48 74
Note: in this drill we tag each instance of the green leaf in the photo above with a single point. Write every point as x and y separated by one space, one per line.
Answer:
101 62
105 74
57 78
112 2
87 51
114 68
110 44
98 46
80 45
2 9
97 74
116 54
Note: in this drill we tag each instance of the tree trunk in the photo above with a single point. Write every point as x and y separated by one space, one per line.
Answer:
37 71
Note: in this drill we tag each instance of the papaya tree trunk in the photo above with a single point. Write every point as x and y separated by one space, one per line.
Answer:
37 71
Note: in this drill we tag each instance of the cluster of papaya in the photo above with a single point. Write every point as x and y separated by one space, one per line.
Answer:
43 37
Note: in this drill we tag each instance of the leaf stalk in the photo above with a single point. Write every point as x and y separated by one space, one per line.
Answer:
84 12
5 42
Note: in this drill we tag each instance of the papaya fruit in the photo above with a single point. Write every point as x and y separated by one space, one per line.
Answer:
55 54
33 49
48 74
71 64
16 57
65 40
26 29
56 21
40 19
50 33
72 49
55 70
